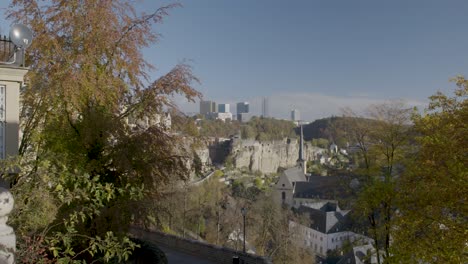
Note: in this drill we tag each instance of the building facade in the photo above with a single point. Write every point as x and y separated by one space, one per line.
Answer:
295 115
224 108
219 116
329 228
11 79
208 107
242 107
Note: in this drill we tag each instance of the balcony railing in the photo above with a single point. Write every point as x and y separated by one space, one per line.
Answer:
7 50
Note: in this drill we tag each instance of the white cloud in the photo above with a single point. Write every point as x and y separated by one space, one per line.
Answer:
312 106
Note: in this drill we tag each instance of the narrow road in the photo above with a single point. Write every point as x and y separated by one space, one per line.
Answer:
176 257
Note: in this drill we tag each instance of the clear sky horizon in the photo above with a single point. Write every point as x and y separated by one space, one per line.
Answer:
317 56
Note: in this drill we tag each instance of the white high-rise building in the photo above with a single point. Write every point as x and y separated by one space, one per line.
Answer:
295 115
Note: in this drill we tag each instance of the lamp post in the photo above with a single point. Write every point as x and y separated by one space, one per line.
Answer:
244 212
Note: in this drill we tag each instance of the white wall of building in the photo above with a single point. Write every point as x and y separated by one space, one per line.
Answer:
319 243
11 80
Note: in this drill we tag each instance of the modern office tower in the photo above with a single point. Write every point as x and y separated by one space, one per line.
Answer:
208 107
242 107
295 115
265 107
224 108
243 111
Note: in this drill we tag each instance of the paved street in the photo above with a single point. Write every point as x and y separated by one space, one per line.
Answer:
175 257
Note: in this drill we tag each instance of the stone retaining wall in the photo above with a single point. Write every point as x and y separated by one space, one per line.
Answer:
200 249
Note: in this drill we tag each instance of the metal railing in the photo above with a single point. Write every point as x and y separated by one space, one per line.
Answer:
7 50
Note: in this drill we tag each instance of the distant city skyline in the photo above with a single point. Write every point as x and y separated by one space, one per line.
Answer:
317 56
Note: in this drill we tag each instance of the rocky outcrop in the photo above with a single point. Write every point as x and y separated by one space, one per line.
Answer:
204 155
253 155
267 157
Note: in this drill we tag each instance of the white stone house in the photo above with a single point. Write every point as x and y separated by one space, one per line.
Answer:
328 230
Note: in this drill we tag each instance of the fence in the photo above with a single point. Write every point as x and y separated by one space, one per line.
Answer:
7 49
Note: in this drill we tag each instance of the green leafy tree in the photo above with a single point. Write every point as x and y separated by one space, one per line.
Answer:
320 142
218 128
433 210
84 166
383 145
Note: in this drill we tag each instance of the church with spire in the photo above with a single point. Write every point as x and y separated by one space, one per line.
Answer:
295 187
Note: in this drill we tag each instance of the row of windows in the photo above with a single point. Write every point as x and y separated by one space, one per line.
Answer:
312 234
308 244
341 238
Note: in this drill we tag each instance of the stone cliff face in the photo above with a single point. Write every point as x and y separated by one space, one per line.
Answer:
204 155
253 155
267 157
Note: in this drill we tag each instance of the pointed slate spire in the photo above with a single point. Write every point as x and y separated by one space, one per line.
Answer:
301 146
300 161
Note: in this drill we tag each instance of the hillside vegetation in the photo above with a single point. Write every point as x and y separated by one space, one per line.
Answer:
258 128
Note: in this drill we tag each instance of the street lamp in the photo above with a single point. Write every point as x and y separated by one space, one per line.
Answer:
244 212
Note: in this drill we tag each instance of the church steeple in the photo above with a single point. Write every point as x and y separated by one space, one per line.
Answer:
301 162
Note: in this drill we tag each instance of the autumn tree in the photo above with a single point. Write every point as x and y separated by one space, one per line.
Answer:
433 210
84 169
382 138
271 234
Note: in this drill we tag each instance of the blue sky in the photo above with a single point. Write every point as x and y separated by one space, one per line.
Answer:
317 55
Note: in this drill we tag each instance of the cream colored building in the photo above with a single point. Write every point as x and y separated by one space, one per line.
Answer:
11 80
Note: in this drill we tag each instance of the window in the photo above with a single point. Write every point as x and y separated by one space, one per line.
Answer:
283 196
2 120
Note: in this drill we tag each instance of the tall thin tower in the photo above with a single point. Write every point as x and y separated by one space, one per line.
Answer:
301 161
265 107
